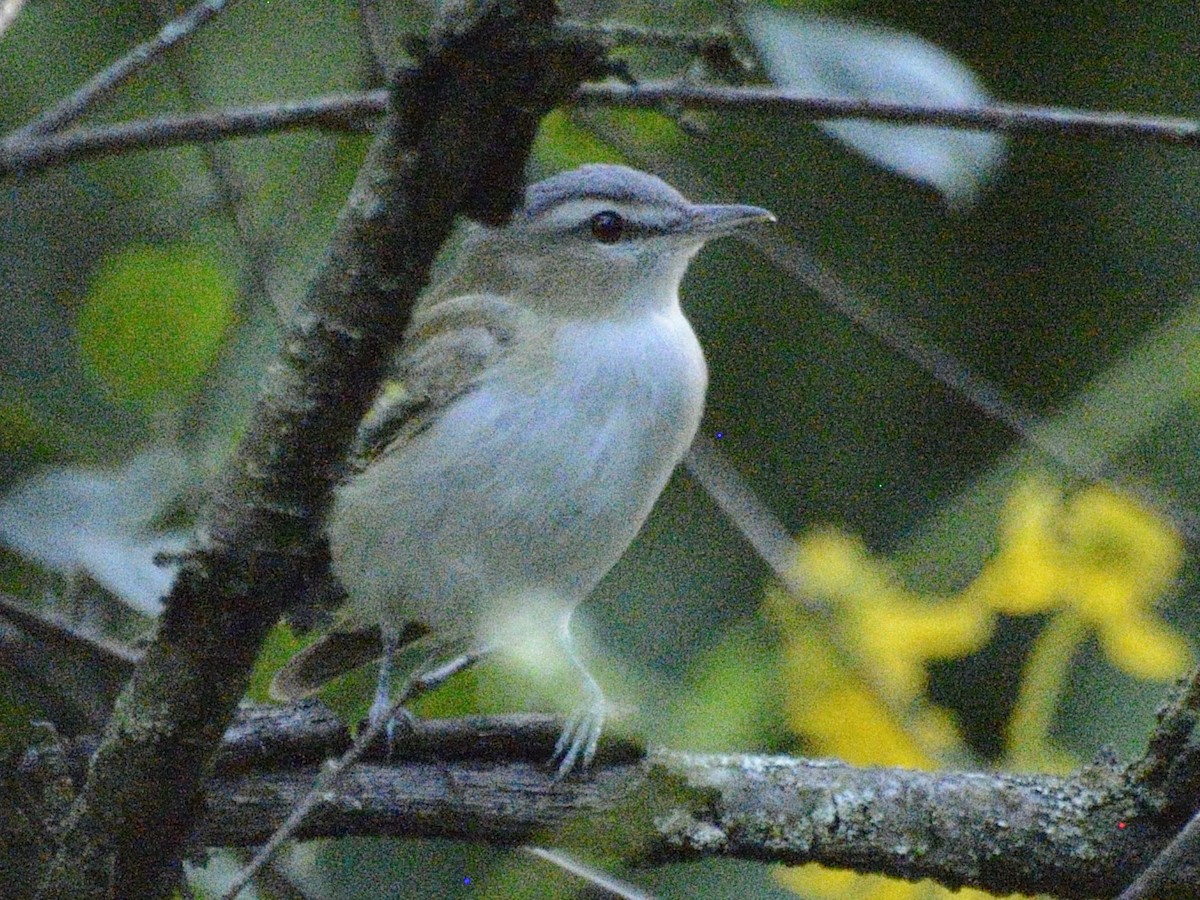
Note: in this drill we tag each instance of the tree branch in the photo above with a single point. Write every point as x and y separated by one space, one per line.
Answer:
784 102
333 769
105 82
485 779
451 144
356 112
1083 835
1174 873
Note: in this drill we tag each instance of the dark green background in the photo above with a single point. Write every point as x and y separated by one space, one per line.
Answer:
1074 254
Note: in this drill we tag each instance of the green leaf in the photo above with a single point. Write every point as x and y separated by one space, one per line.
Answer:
561 144
729 697
153 321
21 429
281 645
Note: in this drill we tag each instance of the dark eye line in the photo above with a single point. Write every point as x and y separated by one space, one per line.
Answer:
629 228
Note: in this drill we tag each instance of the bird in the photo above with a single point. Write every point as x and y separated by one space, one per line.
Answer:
547 388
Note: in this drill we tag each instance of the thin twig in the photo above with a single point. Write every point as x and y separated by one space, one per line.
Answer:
1174 872
105 82
597 879
371 36
355 112
749 514
764 532
990 399
332 770
797 104
894 331
340 112
230 189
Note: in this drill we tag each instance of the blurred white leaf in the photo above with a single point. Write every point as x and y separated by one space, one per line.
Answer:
74 520
8 13
853 60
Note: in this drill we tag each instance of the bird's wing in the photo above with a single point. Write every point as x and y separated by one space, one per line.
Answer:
448 348
332 655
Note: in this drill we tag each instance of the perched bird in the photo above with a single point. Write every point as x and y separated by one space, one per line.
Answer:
551 384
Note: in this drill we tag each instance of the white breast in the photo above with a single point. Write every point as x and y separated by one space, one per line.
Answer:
526 485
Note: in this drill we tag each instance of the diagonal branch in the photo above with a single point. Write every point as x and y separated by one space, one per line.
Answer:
1175 872
451 144
105 82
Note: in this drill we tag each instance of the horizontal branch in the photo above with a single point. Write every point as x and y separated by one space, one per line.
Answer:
109 79
795 104
355 113
485 779
22 154
1084 835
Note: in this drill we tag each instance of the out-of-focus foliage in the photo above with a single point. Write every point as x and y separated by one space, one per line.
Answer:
855 681
827 57
975 614
153 321
281 645
101 524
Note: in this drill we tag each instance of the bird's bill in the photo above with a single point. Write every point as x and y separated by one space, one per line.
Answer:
724 218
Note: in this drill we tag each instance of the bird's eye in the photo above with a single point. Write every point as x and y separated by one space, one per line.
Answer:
607 227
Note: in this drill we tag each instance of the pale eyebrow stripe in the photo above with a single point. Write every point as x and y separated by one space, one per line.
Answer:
571 213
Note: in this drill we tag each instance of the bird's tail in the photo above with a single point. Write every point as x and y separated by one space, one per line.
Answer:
334 654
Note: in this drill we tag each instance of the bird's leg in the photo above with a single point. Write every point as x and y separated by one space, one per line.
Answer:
581 733
381 706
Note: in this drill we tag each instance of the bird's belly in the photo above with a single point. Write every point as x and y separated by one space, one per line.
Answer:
514 492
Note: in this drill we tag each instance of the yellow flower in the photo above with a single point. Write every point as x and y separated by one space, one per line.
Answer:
1144 647
855 684
1101 554
856 676
1025 574
891 631
899 632
1115 533
837 568
819 883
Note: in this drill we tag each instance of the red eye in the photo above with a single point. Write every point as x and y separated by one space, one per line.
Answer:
607 227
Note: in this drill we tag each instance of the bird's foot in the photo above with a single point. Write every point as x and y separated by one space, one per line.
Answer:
576 747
